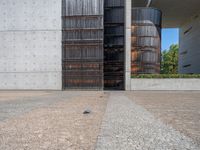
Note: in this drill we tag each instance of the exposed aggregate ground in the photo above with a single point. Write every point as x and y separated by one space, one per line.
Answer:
54 120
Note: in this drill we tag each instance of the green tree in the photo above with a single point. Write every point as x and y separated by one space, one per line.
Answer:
169 63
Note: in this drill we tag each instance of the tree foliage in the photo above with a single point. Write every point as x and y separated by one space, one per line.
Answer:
169 62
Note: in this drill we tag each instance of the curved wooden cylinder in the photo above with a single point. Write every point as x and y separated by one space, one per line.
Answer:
146 40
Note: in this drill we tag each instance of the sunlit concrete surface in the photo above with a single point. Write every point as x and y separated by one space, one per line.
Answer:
30 44
55 120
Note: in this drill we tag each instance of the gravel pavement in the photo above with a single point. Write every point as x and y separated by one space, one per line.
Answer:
127 126
54 122
179 109
11 108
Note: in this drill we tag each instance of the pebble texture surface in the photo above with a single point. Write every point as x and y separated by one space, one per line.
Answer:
52 122
11 108
129 126
117 120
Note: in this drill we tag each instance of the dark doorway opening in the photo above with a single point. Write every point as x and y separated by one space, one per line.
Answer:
114 45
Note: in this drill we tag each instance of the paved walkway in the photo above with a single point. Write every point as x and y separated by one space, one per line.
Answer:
21 105
52 121
127 126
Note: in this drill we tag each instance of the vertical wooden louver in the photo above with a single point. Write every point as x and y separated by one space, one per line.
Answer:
82 36
146 41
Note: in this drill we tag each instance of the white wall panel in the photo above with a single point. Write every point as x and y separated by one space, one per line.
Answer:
30 44
30 15
30 81
189 53
165 84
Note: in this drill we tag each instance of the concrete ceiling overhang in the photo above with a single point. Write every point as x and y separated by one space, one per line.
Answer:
175 12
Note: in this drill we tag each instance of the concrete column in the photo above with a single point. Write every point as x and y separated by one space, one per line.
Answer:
128 44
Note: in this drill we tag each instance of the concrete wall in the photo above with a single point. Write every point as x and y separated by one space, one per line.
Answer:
30 44
127 67
189 53
165 84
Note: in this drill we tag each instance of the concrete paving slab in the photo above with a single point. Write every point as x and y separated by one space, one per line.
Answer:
129 126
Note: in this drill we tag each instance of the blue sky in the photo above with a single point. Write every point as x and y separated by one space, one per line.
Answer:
169 37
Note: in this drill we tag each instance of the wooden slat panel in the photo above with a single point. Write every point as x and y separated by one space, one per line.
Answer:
83 36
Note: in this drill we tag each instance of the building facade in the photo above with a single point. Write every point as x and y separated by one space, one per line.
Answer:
88 44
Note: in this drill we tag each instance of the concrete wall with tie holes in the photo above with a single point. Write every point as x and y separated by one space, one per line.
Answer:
30 44
189 51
